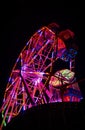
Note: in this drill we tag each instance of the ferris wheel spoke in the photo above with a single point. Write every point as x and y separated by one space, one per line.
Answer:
9 103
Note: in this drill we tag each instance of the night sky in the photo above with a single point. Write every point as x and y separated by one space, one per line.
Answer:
20 20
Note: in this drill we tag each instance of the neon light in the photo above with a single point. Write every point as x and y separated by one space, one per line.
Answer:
35 75
66 74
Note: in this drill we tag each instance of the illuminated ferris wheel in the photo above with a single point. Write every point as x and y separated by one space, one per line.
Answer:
35 78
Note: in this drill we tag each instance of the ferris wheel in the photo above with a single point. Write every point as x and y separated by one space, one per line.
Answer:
34 80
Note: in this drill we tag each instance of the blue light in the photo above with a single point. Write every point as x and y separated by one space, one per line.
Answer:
27 43
9 79
17 60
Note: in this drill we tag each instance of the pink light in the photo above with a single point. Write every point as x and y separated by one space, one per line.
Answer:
37 81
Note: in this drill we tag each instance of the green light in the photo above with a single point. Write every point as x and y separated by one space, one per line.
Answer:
66 73
2 115
4 123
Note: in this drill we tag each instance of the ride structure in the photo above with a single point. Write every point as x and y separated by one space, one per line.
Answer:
36 79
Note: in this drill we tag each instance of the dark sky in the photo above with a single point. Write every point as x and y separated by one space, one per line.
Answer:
20 20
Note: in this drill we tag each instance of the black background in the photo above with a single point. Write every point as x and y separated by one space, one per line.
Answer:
20 20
